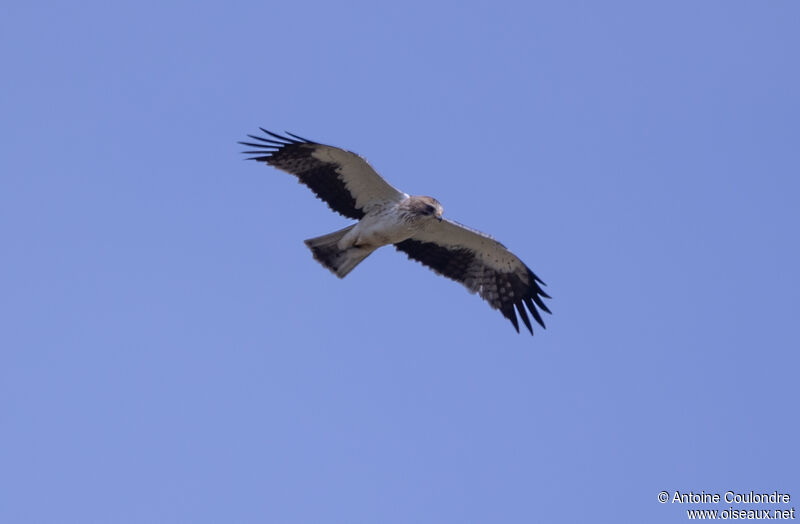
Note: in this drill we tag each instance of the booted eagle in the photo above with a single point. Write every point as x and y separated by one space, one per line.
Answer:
413 224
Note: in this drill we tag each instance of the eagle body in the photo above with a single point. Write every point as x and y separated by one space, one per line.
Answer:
412 224
391 223
385 224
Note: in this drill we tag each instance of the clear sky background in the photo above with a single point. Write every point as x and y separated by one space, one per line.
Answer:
170 352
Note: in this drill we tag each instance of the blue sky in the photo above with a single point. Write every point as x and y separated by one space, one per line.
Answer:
172 353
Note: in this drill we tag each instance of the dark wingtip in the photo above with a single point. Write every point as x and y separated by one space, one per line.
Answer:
524 316
285 140
534 311
272 143
299 137
536 278
260 146
266 147
278 142
544 307
508 312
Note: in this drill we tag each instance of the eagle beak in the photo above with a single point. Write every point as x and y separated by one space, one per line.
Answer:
439 218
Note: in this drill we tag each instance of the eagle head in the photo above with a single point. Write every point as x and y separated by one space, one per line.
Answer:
425 206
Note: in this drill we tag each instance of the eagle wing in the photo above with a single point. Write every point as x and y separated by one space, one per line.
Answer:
482 265
344 180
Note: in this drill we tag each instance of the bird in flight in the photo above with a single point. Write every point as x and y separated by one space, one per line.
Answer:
413 224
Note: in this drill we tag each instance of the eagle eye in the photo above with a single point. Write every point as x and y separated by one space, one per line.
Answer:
429 210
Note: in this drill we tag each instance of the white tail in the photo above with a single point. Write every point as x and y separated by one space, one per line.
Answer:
340 261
